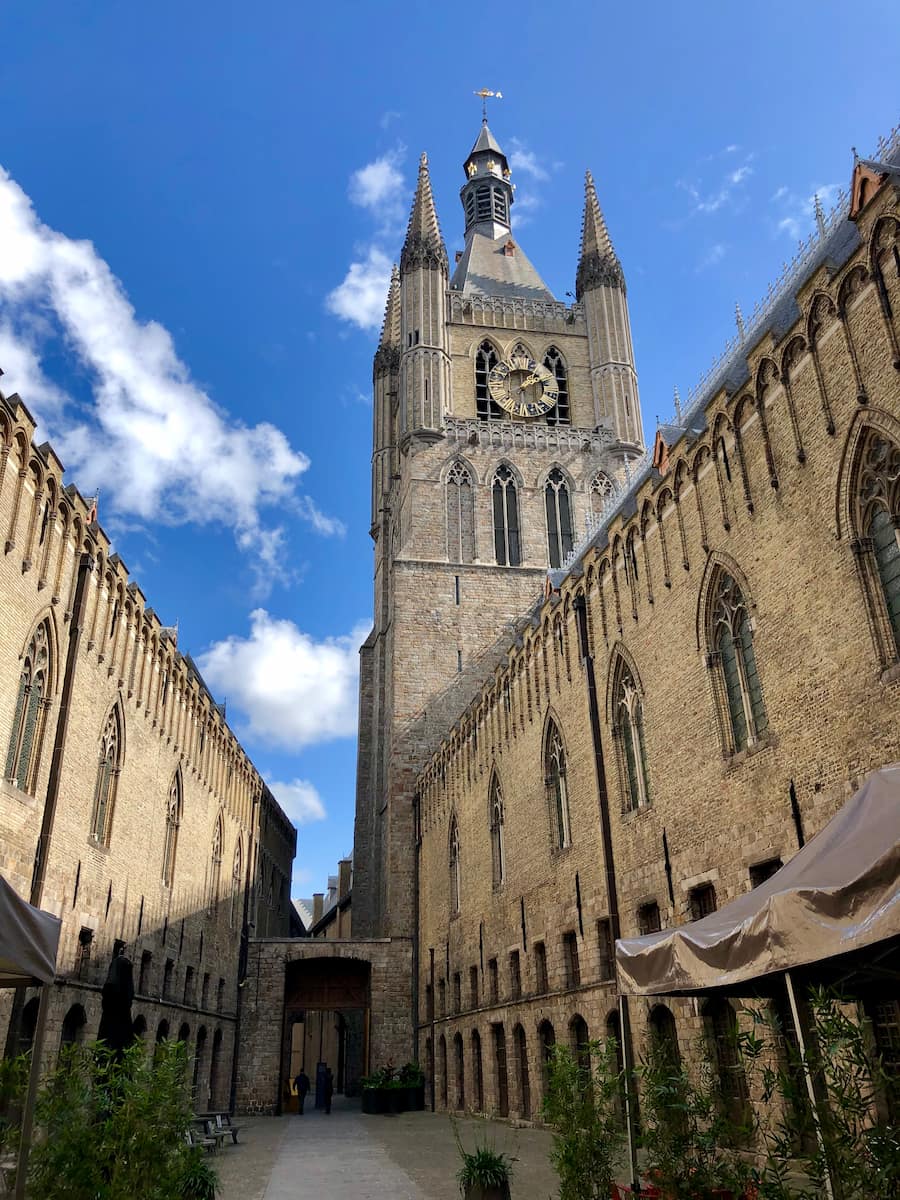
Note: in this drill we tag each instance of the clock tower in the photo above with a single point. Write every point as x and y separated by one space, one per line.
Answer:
503 422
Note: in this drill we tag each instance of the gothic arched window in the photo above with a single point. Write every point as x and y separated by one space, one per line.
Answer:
628 732
733 658
602 493
559 414
555 781
506 518
454 865
460 514
485 360
237 874
215 864
30 715
108 769
498 857
173 821
877 519
559 517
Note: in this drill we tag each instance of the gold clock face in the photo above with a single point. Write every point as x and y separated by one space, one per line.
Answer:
523 387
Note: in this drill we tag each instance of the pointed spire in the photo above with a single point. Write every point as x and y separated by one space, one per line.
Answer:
424 246
387 356
598 265
677 406
739 321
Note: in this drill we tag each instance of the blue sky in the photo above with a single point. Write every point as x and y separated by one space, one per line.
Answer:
199 205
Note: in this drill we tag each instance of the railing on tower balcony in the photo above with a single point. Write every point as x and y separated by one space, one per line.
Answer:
517 435
513 312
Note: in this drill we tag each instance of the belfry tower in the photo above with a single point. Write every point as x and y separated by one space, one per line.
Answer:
503 419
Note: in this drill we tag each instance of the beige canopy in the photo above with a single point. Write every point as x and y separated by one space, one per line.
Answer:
839 894
28 941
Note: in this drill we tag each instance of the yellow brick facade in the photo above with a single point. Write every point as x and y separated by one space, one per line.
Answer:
765 482
182 933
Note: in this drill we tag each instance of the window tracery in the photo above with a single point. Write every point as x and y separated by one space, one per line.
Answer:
506 518
628 731
559 517
560 413
215 869
460 514
485 360
602 492
173 822
32 701
734 658
498 856
454 865
108 770
877 518
557 793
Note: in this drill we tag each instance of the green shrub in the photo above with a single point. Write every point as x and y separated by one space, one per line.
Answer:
113 1129
485 1166
583 1106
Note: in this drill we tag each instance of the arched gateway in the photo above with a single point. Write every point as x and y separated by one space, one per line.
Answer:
308 1001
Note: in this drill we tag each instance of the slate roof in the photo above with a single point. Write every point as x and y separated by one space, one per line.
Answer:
484 270
486 141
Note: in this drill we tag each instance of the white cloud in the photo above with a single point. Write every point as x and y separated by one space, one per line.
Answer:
292 690
525 160
299 799
706 200
797 213
150 438
379 187
360 298
329 526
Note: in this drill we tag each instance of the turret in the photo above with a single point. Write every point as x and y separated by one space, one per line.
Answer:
424 357
487 195
600 286
385 383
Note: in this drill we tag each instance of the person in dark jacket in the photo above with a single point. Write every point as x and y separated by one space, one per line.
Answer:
301 1083
329 1090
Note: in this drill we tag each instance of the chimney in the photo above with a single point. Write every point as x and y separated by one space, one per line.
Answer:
344 877
317 906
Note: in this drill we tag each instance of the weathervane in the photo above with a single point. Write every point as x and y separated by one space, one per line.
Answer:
485 95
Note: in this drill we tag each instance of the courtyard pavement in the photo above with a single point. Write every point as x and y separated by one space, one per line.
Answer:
348 1156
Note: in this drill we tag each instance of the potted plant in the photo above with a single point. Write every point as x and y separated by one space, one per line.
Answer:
375 1095
485 1173
412 1080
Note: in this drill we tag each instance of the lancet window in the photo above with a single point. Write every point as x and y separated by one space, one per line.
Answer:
877 517
555 782
559 414
32 701
628 731
460 514
485 360
108 770
215 864
733 658
506 518
454 865
559 518
498 855
237 874
173 822
602 491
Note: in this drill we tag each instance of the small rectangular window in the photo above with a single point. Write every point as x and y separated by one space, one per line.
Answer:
168 975
83 953
515 976
204 991
494 981
429 1002
540 968
702 901
457 992
473 986
189 985
648 918
764 870
144 975
459 661
442 998
570 958
605 949
220 996
456 587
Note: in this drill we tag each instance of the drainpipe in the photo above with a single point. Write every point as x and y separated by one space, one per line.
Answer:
580 608
243 957
415 931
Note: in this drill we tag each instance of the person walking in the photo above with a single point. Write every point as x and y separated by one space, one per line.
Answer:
301 1083
328 1091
